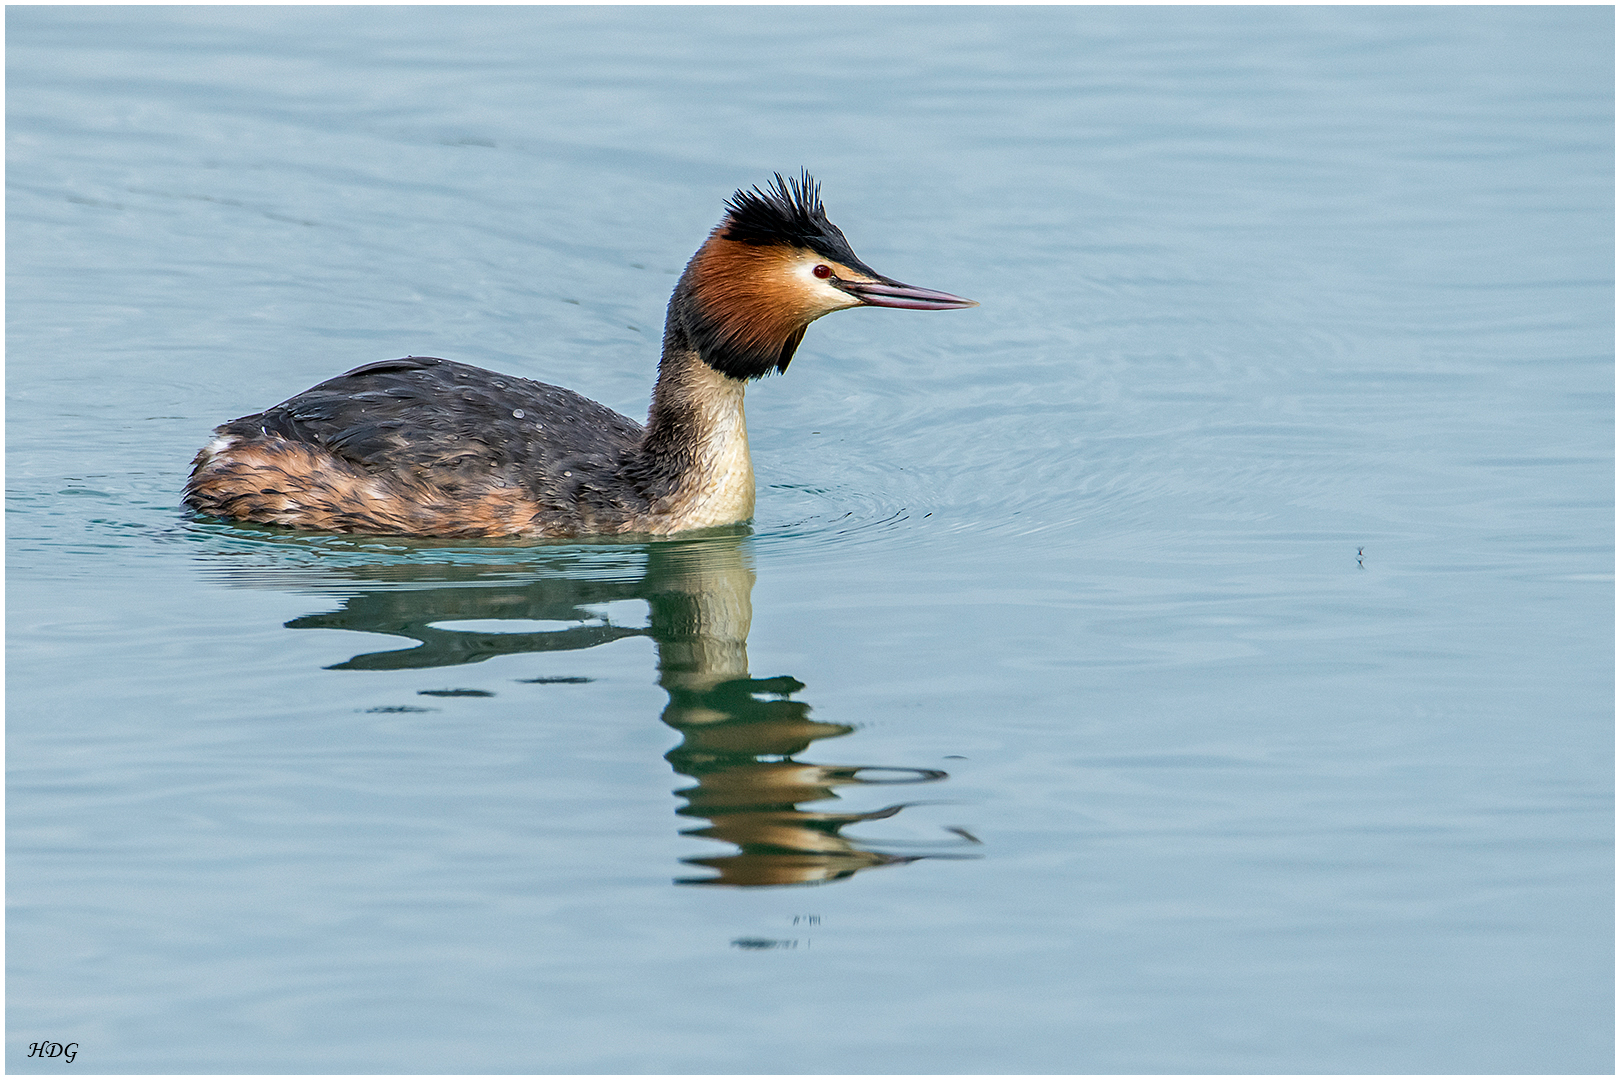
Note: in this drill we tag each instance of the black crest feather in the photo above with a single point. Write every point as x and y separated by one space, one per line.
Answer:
787 211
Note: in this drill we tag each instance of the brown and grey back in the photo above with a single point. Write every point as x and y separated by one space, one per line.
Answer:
429 447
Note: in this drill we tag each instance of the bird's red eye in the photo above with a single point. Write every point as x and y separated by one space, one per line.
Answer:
822 270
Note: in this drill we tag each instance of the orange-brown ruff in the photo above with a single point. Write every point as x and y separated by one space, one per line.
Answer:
429 447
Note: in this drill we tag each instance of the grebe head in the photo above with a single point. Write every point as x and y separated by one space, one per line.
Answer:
773 266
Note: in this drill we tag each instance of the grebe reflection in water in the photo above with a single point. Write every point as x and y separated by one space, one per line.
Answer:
740 736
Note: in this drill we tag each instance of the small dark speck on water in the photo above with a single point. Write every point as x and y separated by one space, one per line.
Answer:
758 944
399 709
548 679
456 693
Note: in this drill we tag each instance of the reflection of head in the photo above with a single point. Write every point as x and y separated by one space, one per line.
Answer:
755 805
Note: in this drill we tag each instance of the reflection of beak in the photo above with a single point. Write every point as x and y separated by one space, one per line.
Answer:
788 868
888 293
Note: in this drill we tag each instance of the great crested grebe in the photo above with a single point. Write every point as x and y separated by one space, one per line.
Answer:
428 447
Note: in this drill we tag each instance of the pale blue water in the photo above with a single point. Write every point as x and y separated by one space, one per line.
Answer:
1221 615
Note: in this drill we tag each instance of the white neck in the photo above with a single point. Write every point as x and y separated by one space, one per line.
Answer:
722 488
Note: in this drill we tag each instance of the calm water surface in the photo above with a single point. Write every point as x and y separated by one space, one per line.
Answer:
1198 658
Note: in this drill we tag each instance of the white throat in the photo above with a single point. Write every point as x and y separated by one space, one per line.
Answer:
724 492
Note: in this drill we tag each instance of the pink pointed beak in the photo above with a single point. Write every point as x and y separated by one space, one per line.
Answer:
888 293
